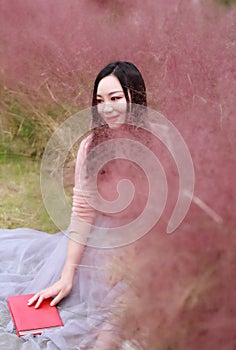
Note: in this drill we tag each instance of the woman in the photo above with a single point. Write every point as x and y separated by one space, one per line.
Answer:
70 270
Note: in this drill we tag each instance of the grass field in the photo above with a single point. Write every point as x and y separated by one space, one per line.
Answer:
21 203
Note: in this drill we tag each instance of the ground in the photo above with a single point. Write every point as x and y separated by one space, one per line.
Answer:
21 203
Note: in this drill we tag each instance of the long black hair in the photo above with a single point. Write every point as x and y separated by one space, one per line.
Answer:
132 84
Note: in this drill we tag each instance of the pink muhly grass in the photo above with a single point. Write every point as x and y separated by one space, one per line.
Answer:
186 50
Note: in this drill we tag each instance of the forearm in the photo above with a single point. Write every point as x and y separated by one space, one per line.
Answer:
74 254
79 232
63 286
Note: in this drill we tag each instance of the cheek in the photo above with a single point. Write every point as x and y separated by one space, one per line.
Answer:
99 108
121 107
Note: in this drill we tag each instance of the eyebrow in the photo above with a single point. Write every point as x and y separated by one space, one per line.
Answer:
111 93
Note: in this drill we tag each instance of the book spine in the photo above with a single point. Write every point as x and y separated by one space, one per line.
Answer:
17 331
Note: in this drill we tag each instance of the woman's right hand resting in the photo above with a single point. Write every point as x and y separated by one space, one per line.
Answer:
63 286
58 291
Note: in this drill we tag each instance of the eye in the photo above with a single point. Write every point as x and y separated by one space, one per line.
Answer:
99 101
116 98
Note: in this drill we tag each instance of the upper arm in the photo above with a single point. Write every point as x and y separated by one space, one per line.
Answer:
83 192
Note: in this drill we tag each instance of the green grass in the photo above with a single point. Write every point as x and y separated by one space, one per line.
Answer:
21 203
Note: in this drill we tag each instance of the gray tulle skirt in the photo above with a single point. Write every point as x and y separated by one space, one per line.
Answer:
31 260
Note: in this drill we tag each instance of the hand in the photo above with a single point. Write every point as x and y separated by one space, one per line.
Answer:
59 290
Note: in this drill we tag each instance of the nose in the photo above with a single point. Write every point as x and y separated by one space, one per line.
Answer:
107 107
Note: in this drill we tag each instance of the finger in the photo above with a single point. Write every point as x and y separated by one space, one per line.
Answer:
33 298
57 299
40 300
45 294
48 293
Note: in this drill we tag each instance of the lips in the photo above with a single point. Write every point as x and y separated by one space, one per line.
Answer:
112 119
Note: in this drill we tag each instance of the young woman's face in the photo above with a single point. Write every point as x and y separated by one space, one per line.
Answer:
111 101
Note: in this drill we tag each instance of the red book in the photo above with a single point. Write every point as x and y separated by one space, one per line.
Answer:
29 320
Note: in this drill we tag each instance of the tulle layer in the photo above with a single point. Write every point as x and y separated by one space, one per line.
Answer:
32 260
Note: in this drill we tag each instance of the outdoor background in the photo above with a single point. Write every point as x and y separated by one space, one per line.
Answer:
50 53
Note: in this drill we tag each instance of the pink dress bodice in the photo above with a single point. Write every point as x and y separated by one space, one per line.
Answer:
106 188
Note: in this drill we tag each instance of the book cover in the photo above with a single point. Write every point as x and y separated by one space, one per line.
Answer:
29 320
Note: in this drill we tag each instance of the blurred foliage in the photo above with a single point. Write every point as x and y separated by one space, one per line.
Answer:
44 84
28 121
226 2
187 55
